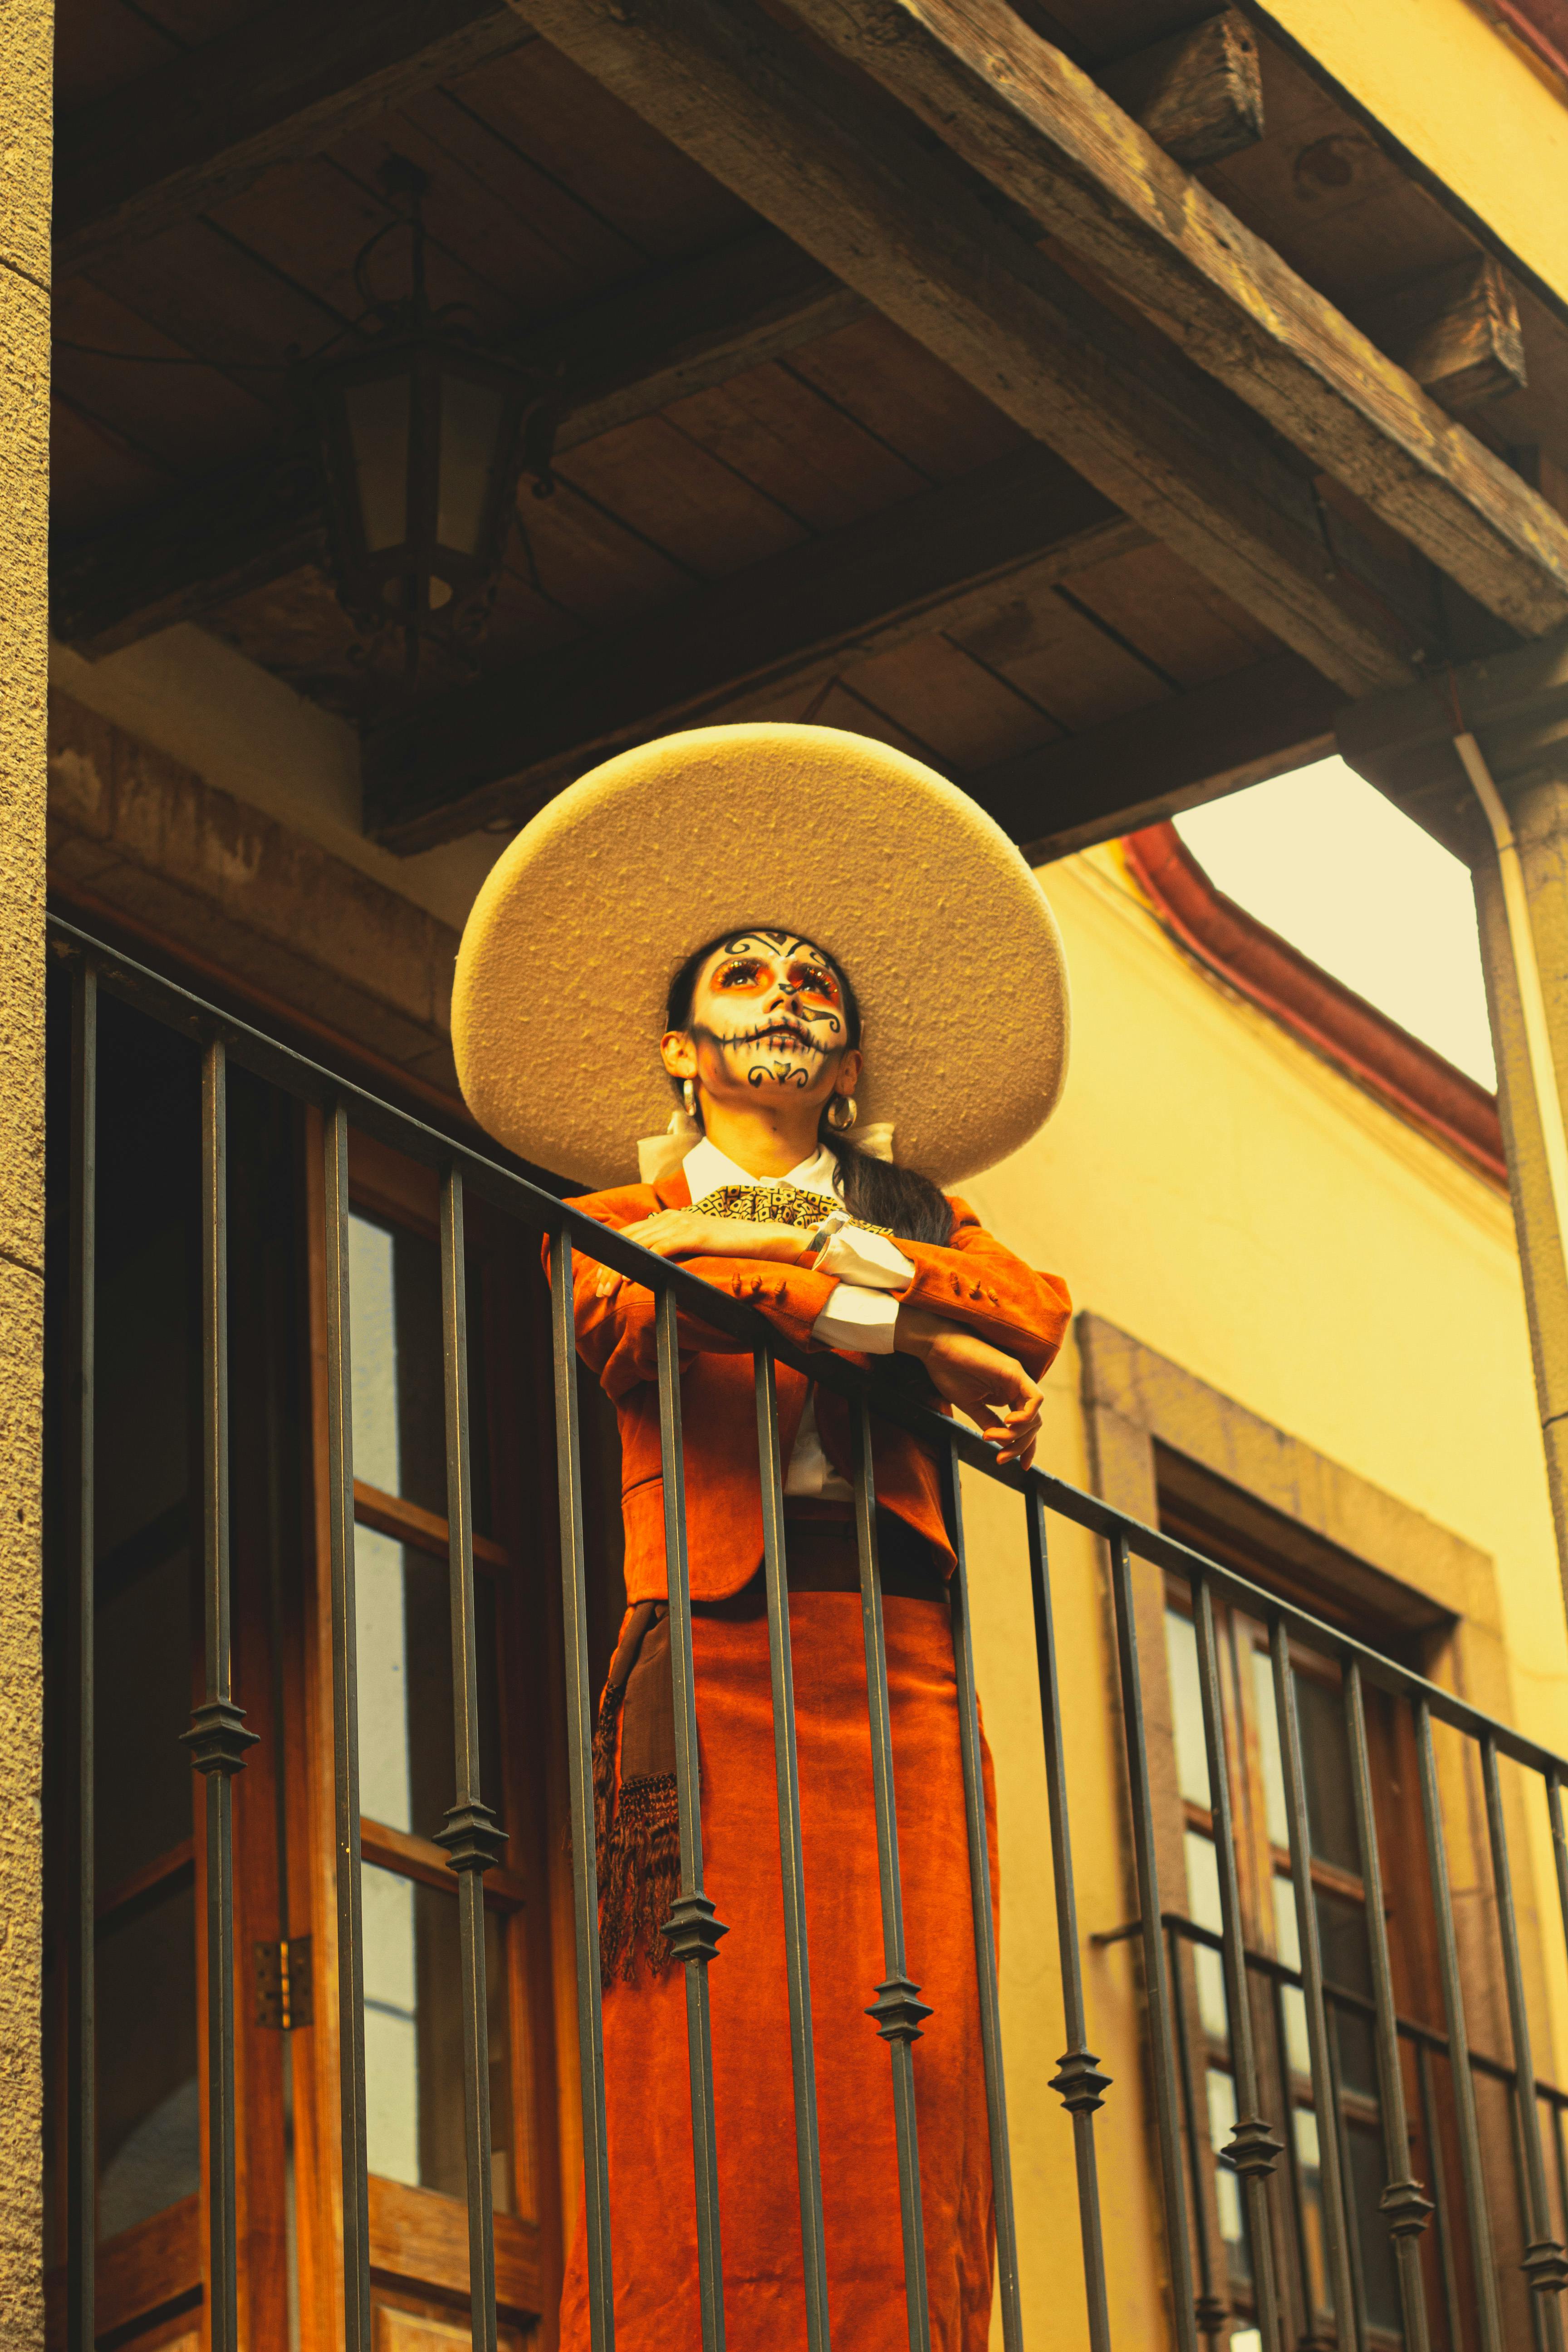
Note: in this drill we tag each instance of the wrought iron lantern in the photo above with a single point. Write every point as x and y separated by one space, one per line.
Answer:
423 432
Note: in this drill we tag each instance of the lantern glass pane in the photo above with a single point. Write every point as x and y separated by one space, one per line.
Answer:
470 422
377 414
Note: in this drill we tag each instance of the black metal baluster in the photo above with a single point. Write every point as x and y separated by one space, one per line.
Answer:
81 2052
353 2152
1211 2310
1441 2224
1402 2200
1472 2170
1545 2265
1077 2081
791 1864
898 2008
580 1780
1254 2148
1325 2092
472 1840
693 1927
217 1737
984 1926
1157 1986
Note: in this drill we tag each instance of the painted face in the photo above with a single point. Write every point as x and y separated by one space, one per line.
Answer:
768 1009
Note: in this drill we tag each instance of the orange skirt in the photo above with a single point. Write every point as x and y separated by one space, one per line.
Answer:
652 2214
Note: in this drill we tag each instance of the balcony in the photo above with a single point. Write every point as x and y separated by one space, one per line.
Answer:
332 1504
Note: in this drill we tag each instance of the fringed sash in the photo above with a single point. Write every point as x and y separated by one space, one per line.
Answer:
635 1822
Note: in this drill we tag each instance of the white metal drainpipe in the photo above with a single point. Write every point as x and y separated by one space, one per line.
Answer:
1527 968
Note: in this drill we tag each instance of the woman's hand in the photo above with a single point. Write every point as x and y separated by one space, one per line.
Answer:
992 1388
681 1233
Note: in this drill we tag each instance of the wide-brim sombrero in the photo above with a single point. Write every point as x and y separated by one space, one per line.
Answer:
557 1004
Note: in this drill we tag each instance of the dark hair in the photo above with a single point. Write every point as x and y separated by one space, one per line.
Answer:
877 1192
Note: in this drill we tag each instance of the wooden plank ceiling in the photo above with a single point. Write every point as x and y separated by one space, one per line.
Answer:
772 501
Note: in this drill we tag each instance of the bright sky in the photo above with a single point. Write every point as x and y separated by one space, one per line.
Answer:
1340 872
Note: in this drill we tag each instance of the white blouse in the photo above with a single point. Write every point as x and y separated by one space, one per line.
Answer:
860 1314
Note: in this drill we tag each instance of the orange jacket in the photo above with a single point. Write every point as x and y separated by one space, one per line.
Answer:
974 1281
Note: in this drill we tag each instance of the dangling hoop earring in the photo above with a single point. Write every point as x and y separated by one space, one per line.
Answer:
688 1097
842 1113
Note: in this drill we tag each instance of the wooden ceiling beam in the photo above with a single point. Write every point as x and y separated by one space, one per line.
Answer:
1018 111
276 87
1152 763
844 175
687 328
493 751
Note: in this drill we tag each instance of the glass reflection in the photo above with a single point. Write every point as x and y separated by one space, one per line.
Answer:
1186 1708
149 2109
1204 1910
413 2038
404 1643
399 1399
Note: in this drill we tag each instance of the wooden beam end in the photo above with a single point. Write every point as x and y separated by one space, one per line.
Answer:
1199 93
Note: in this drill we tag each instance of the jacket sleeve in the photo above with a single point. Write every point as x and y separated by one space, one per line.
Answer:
974 1282
617 1334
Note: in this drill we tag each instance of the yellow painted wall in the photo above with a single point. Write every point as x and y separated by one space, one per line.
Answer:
1234 1203
26 50
1464 98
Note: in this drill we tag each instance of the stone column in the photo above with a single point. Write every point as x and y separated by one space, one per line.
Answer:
26 35
1516 706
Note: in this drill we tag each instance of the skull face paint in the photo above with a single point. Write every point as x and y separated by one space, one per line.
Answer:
768 1012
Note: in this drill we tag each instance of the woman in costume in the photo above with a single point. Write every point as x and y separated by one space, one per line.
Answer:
823 930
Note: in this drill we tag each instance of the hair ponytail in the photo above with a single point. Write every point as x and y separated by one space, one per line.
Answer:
878 1192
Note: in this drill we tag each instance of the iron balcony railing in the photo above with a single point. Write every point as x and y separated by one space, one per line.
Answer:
218 1741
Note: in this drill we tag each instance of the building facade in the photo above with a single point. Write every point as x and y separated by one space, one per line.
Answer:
1113 406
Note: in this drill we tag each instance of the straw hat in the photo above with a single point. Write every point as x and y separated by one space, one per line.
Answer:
568 954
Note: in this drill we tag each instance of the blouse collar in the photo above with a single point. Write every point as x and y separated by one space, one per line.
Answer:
707 1170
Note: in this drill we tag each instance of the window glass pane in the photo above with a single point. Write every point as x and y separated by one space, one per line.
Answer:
414 2037
372 1354
1202 1908
1347 1963
144 1630
1227 2186
1380 2275
404 1641
381 1648
1308 2159
470 419
1288 1945
1325 1758
1273 1768
1186 1708
149 2120
377 414
391 2025
399 1399
143 1694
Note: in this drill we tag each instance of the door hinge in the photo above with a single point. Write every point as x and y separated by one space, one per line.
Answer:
283 1983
